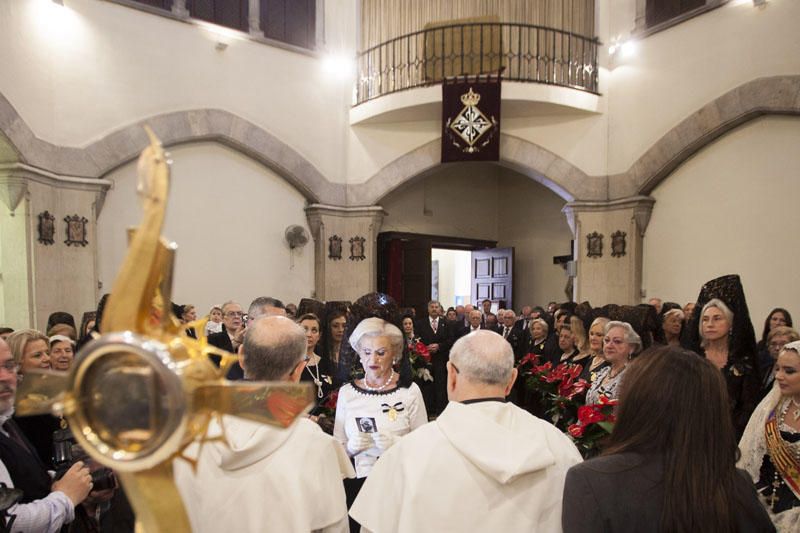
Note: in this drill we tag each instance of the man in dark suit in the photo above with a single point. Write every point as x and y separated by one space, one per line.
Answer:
512 333
232 322
475 319
434 333
491 323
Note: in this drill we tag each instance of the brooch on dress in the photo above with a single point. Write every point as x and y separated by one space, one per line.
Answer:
392 410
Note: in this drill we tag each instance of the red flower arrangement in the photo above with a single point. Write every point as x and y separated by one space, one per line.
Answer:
595 422
420 358
420 349
558 389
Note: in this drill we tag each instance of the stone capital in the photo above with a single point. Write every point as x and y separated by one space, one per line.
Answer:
12 190
353 272
641 206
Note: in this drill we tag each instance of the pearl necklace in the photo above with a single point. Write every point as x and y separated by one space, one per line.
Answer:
316 378
385 384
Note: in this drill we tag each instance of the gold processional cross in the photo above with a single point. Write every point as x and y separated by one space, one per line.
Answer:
142 391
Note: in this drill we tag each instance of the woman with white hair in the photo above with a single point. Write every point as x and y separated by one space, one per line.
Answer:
716 330
672 324
620 344
373 412
770 446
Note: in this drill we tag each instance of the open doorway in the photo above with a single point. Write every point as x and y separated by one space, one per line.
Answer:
406 270
451 271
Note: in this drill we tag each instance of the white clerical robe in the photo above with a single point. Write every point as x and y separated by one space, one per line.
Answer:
269 479
485 466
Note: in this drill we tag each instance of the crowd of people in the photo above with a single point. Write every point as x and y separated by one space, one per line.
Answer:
424 423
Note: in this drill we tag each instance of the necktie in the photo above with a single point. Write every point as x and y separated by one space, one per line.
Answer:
434 324
14 434
506 331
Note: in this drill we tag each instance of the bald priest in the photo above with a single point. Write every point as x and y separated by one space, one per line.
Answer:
483 465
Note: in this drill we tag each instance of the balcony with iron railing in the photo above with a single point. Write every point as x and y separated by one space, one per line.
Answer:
549 61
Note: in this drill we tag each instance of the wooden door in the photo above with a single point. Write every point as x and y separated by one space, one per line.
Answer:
417 275
493 276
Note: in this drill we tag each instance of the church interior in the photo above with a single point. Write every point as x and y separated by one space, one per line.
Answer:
569 159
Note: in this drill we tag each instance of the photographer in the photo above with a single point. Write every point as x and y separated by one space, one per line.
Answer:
45 505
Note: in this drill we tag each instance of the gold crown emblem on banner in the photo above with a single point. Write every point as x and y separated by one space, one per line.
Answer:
470 98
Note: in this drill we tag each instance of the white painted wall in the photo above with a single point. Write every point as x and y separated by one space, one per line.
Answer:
458 200
530 220
77 72
675 72
731 209
228 215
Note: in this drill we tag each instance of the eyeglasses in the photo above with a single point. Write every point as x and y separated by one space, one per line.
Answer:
10 366
616 342
234 313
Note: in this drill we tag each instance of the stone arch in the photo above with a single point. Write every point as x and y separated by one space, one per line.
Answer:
180 127
778 95
529 159
8 152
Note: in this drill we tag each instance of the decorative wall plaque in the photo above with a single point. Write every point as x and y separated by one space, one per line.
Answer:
594 244
47 228
618 244
335 247
357 248
76 230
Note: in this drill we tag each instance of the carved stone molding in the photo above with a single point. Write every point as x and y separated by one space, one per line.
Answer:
12 191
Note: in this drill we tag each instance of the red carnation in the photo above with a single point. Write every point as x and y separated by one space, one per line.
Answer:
422 350
576 430
589 414
333 398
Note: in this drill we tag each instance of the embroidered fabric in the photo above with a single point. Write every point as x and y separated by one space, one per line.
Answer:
608 389
753 448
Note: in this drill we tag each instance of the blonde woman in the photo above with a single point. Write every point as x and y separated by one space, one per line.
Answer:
770 444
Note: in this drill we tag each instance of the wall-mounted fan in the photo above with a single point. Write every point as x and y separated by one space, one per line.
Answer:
296 236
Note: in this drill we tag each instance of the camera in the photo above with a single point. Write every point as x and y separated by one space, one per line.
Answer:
66 452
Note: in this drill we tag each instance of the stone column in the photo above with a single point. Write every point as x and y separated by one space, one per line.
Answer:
40 274
349 276
179 8
254 18
16 291
608 248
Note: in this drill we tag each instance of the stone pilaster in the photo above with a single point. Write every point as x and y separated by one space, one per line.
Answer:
615 275
254 18
37 278
345 278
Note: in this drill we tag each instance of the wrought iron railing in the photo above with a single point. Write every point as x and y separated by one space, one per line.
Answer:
521 52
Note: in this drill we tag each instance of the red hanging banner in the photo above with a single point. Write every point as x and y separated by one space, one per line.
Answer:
471 119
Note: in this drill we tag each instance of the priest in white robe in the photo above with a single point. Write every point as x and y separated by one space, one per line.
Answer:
483 465
267 478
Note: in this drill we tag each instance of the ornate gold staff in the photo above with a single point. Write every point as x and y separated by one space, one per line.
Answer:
142 391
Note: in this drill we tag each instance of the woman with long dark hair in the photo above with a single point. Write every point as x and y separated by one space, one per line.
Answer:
670 462
777 317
